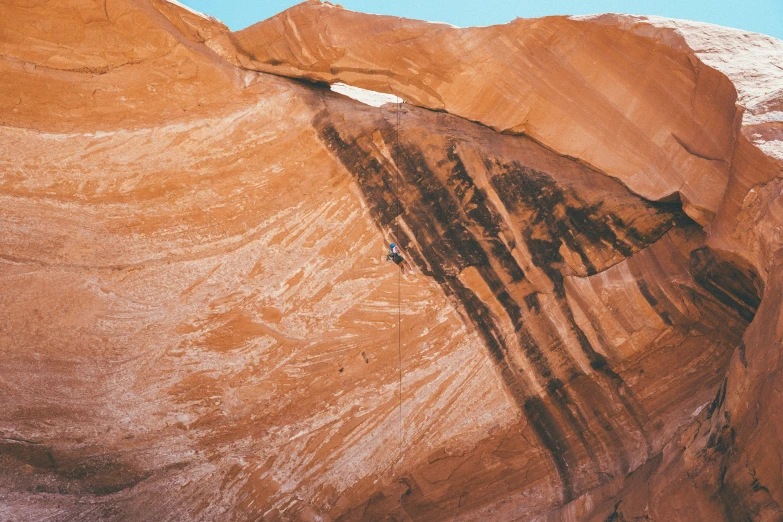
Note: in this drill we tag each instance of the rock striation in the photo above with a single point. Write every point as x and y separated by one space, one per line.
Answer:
198 322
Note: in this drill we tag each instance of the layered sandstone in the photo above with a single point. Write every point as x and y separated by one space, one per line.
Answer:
198 323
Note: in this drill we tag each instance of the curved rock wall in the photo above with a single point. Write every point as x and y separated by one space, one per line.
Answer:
198 321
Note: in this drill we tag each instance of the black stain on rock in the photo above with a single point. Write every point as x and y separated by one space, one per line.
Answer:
532 303
732 286
615 515
97 474
741 350
652 301
30 453
454 225
550 436
717 402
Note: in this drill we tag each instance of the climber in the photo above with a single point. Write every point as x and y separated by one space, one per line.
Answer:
395 255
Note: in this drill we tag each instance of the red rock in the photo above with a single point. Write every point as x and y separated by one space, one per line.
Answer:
198 323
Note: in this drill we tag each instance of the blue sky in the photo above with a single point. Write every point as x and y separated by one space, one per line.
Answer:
762 16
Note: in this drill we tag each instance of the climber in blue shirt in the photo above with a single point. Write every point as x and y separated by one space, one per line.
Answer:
396 256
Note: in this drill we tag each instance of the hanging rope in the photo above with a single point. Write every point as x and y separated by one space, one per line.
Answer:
399 293
396 160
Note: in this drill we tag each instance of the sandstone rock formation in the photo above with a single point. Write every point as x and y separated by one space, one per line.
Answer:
198 323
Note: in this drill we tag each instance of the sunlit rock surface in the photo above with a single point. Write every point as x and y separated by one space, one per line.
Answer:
199 323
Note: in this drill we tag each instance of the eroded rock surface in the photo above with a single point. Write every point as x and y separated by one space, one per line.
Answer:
198 323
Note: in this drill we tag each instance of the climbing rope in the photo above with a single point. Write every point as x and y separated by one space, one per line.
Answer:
399 292
396 160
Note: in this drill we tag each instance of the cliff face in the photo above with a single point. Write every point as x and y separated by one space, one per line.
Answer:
198 322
